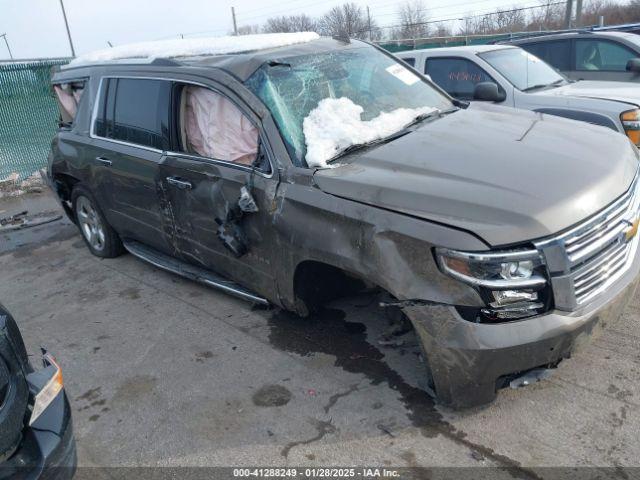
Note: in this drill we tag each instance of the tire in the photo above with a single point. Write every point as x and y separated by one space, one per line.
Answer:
101 239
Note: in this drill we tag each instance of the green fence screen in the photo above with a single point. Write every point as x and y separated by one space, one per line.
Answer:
28 115
437 42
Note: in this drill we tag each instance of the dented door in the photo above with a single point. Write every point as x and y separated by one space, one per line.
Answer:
197 196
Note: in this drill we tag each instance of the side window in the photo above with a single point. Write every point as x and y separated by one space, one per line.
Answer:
135 110
210 125
410 61
68 96
457 76
602 55
555 53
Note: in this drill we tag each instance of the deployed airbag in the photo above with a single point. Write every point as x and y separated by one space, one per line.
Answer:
216 128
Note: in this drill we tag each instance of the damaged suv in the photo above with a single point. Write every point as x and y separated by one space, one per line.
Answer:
284 168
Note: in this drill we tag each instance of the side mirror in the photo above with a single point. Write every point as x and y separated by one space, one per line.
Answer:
633 65
488 92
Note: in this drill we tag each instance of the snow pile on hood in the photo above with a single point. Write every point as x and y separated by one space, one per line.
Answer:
335 124
196 46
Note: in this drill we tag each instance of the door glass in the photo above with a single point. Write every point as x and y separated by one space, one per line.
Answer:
457 76
556 53
137 111
602 55
410 61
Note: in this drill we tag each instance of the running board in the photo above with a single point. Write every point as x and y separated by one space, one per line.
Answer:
191 272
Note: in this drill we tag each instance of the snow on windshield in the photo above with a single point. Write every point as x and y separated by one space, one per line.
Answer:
336 124
196 46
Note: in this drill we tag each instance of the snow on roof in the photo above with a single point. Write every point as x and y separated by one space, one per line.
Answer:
186 47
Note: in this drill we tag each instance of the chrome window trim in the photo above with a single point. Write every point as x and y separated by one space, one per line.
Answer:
216 161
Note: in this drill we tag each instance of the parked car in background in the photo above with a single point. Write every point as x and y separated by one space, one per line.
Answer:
586 55
512 77
36 434
290 169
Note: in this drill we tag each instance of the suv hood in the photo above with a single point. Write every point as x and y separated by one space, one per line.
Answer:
506 175
618 91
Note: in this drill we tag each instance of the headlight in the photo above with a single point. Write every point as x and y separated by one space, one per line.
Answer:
631 122
513 284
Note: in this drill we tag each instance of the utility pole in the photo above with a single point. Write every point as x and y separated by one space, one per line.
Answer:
235 25
578 13
4 35
66 24
369 21
568 13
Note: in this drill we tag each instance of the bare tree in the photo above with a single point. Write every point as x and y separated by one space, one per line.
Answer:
290 23
413 20
349 20
513 20
443 30
248 29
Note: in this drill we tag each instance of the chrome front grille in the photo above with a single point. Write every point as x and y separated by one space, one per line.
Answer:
591 257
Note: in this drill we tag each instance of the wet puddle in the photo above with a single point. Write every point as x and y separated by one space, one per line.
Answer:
331 333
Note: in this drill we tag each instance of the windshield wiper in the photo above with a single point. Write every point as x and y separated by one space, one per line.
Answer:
362 146
422 117
543 85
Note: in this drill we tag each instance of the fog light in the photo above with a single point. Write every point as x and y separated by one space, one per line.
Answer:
514 311
506 297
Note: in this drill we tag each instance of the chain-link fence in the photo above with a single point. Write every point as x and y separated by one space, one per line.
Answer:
28 116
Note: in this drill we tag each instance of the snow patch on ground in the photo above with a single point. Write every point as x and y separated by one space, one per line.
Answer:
186 47
335 124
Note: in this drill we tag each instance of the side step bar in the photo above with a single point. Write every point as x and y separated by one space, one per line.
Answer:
191 272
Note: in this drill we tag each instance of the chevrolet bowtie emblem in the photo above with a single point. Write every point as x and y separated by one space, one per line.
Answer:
632 230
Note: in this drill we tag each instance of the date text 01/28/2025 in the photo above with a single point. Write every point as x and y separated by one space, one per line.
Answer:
318 472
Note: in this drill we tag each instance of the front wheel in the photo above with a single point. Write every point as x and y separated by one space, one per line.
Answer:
100 238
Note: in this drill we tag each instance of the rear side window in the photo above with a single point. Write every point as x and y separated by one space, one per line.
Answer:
555 53
135 111
456 76
410 61
68 96
602 55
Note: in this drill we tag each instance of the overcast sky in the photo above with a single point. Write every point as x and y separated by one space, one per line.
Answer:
35 28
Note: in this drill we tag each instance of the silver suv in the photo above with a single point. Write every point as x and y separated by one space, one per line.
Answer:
512 77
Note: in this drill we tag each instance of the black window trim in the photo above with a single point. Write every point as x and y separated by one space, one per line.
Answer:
263 142
453 57
599 39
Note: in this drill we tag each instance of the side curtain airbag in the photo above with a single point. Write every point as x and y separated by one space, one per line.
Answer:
216 128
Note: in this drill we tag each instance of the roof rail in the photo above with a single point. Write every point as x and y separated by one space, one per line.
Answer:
157 62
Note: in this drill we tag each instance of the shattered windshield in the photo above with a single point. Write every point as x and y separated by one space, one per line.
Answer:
336 86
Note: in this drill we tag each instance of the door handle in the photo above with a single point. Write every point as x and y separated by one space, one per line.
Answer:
104 161
179 183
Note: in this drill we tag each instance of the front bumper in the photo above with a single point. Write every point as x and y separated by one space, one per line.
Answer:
48 449
470 361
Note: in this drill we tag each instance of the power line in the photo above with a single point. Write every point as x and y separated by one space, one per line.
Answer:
461 12
469 17
284 11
